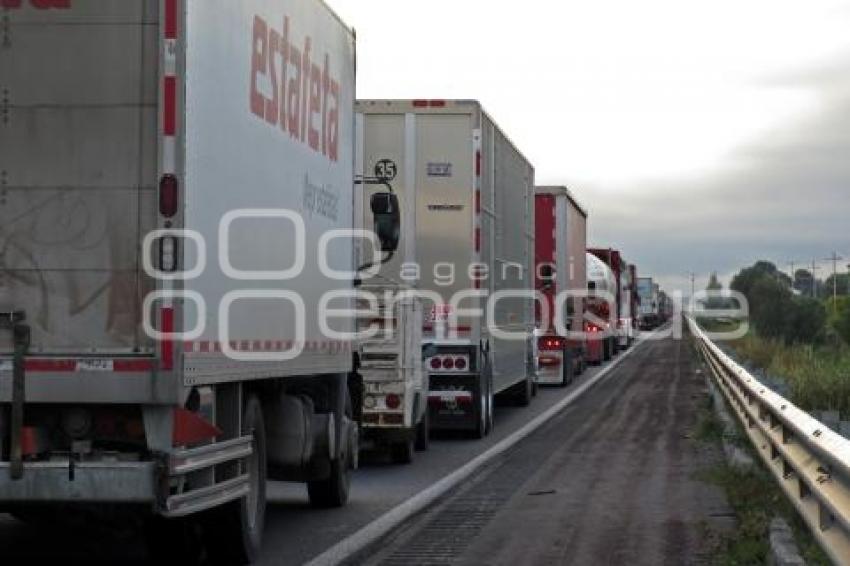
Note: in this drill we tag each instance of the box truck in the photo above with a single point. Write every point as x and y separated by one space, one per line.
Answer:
467 243
560 269
169 170
601 308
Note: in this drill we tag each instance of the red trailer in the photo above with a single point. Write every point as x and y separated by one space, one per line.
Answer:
560 242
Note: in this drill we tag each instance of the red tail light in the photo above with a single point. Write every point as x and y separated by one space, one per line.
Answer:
448 363
169 189
393 401
460 363
551 343
436 363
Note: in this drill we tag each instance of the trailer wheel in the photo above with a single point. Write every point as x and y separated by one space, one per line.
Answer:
567 368
480 430
235 531
333 491
488 382
423 432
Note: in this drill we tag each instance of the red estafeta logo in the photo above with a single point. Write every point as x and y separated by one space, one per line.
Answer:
303 98
37 4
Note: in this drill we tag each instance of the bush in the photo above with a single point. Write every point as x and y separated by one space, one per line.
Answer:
770 305
805 321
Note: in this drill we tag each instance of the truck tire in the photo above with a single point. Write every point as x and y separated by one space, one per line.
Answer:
423 432
606 350
402 452
235 531
491 412
333 491
480 430
567 369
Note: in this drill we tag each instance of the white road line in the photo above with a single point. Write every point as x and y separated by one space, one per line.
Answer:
381 526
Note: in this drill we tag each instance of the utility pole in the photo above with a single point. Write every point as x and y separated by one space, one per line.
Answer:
693 277
834 258
814 279
793 263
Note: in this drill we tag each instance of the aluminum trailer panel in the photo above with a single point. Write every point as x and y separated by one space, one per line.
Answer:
78 168
259 143
116 107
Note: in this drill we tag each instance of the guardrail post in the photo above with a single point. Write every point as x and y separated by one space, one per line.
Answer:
825 516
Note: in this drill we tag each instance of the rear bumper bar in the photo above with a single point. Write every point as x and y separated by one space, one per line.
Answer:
59 482
89 387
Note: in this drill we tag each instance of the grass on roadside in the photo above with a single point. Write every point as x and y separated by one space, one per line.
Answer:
755 498
818 376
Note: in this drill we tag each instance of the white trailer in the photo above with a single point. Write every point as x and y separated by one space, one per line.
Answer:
626 324
168 170
468 234
602 307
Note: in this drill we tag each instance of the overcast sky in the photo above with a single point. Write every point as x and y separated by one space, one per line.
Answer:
701 135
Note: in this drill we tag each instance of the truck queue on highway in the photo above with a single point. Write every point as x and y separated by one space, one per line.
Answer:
219 268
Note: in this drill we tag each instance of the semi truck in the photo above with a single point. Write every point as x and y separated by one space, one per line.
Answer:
623 315
649 313
627 321
560 268
601 307
635 301
467 243
171 171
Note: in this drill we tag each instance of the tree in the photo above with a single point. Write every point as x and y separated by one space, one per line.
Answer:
747 278
770 304
842 284
715 288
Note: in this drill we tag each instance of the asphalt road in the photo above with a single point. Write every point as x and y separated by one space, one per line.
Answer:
613 479
626 432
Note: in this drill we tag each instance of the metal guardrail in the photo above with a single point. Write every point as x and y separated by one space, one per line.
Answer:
810 461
